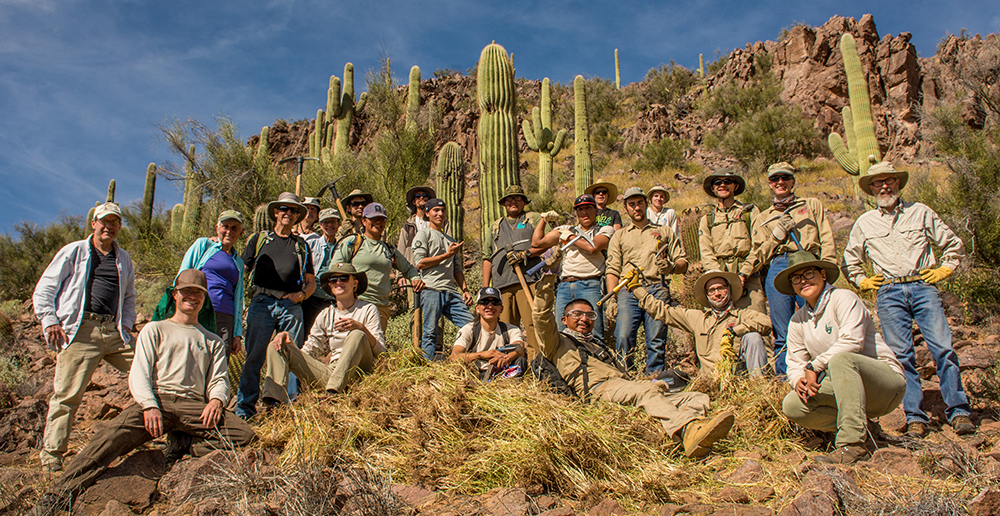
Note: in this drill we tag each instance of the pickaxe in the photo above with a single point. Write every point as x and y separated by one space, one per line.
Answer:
332 187
624 281
298 175
788 210
550 251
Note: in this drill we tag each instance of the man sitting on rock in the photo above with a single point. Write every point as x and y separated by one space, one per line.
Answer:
180 381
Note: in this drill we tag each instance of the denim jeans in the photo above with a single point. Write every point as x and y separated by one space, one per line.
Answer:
437 303
265 315
898 307
627 329
583 289
781 308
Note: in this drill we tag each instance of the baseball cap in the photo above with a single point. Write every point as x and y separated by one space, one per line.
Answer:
782 167
108 208
634 191
230 215
433 203
191 278
488 293
374 210
584 200
328 213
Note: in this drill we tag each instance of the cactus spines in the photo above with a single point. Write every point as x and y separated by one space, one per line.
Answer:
498 159
701 66
618 72
177 220
263 150
148 193
413 100
341 107
583 171
261 222
192 196
111 191
859 126
451 186
538 133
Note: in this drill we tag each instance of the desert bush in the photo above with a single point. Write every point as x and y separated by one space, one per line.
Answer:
26 255
666 83
660 155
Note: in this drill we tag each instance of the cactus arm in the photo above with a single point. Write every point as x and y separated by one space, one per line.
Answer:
333 97
847 160
362 102
529 135
557 144
413 99
857 88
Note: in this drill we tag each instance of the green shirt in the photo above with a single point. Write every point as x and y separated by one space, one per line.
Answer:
376 259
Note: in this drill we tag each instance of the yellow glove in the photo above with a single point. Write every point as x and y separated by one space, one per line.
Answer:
634 281
933 276
726 347
872 283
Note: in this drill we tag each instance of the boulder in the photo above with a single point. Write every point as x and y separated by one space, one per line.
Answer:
132 483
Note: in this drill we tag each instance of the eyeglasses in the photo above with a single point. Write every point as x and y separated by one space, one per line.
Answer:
419 195
717 288
339 279
720 182
807 275
781 177
494 302
879 183
576 314
601 192
358 203
284 209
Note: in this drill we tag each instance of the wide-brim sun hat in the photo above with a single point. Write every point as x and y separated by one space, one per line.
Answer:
340 269
660 189
725 173
883 169
611 188
514 190
286 199
346 201
801 260
411 194
735 286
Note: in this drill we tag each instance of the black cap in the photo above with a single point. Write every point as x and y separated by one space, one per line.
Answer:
488 293
433 203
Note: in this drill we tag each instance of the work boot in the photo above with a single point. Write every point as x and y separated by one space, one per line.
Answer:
962 425
700 434
847 454
916 429
178 445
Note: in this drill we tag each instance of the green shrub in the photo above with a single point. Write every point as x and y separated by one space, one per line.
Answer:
26 255
666 83
660 155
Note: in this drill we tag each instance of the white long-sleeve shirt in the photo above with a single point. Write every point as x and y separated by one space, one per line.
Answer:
180 359
323 338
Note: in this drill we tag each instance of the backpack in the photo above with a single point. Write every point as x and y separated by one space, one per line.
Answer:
477 326
544 369
360 239
301 252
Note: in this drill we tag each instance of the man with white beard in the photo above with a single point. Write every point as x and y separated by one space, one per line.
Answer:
896 237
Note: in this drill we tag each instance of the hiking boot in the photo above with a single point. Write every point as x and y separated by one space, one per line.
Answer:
916 429
178 445
847 454
48 505
52 465
700 434
962 425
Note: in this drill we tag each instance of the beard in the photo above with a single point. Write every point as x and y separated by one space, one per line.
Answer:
887 201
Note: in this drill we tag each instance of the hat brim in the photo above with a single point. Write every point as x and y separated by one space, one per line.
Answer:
865 182
411 194
658 189
300 210
360 276
741 184
784 285
367 197
735 286
612 191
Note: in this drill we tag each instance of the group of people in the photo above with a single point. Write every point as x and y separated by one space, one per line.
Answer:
319 308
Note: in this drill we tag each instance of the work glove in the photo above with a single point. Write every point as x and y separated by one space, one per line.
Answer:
726 348
663 265
933 276
872 283
634 280
517 257
552 257
611 308
551 217
783 227
566 233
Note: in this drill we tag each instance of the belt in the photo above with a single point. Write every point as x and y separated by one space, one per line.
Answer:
570 279
102 318
904 279
277 294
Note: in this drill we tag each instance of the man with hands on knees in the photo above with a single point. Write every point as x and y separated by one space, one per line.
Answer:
180 381
497 348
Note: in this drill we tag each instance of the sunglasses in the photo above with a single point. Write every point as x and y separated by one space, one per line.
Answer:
339 279
358 203
720 182
419 195
576 314
284 209
494 302
808 275
601 192
781 177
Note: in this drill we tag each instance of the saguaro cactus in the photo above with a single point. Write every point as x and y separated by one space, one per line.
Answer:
263 149
451 186
192 196
498 159
177 220
111 191
340 106
583 170
859 126
618 72
538 133
701 66
148 194
413 100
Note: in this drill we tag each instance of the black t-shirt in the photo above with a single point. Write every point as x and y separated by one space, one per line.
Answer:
277 267
608 217
102 283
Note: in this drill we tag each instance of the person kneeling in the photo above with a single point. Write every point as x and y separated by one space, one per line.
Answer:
349 330
838 365
496 348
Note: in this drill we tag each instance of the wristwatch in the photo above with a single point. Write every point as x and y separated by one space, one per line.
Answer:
809 366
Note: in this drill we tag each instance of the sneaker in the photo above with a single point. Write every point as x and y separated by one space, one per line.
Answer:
962 425
700 434
847 454
916 429
52 465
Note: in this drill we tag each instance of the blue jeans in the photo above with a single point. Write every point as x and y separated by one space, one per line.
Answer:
781 308
265 315
627 328
583 289
437 303
900 305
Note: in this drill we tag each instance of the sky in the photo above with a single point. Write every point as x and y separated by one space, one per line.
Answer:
85 84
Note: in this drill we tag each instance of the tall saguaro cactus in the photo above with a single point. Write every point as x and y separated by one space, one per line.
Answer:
451 186
538 133
583 169
340 106
177 220
148 193
859 125
413 100
498 158
618 72
263 150
192 196
111 191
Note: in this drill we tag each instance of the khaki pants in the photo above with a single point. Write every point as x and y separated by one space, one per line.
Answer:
128 431
75 365
517 311
383 316
856 388
355 357
673 410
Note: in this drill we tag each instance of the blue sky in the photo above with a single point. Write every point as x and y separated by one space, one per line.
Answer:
83 84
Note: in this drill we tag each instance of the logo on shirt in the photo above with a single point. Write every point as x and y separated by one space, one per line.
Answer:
829 328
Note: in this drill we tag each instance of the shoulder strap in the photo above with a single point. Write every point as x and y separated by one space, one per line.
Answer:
477 326
262 239
503 334
358 240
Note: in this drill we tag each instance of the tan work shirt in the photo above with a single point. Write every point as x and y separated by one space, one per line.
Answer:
898 242
811 227
727 241
839 324
639 246
581 264
707 328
